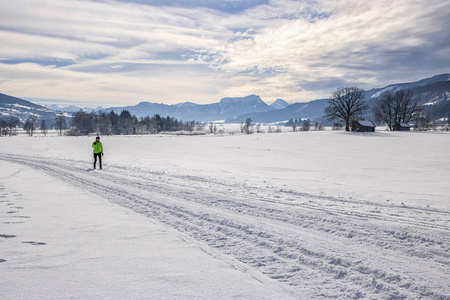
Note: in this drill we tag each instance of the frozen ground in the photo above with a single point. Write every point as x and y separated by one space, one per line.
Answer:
308 215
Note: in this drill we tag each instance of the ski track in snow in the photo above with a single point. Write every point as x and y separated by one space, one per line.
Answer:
312 246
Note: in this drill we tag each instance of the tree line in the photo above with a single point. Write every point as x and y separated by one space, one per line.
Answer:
304 125
10 127
83 123
124 123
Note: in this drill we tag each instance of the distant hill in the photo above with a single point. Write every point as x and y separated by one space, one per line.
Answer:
22 109
375 93
310 110
279 104
227 108
72 108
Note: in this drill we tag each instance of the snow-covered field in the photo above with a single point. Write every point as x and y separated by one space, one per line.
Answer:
307 215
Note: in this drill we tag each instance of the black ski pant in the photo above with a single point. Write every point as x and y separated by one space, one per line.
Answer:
99 159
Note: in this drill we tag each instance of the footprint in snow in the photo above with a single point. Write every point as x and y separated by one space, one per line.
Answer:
35 243
7 236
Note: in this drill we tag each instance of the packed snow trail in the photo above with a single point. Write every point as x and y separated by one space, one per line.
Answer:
313 246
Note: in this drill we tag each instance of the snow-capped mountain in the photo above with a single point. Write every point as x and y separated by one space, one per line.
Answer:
72 108
227 108
375 93
279 104
22 109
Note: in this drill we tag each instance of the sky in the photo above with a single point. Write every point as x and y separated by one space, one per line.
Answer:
122 52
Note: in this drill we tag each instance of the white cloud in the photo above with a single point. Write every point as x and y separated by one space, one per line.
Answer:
297 50
357 42
187 82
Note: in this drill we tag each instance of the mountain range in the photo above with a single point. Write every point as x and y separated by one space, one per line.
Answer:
227 108
21 109
434 93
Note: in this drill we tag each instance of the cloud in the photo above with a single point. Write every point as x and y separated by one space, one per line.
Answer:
173 51
355 42
187 82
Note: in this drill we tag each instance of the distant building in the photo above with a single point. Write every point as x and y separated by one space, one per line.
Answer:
401 127
363 126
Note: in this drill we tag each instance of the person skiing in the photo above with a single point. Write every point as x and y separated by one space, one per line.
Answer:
98 151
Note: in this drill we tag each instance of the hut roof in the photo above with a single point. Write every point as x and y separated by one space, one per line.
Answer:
365 123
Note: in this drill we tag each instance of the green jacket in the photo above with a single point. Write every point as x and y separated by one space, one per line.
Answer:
98 147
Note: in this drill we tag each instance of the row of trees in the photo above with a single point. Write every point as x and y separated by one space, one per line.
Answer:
348 104
124 123
304 125
30 125
297 125
9 127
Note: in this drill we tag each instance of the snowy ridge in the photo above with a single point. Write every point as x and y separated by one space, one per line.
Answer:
288 239
389 88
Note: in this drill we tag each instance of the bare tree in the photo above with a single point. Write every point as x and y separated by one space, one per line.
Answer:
258 128
30 125
398 107
320 127
199 127
3 127
383 109
422 122
406 106
306 125
60 124
347 104
43 127
337 126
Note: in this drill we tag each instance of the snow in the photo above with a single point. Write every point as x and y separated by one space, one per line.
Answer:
386 89
366 123
306 215
21 106
72 244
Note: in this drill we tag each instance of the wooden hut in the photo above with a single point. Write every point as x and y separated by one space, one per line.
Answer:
363 126
401 127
